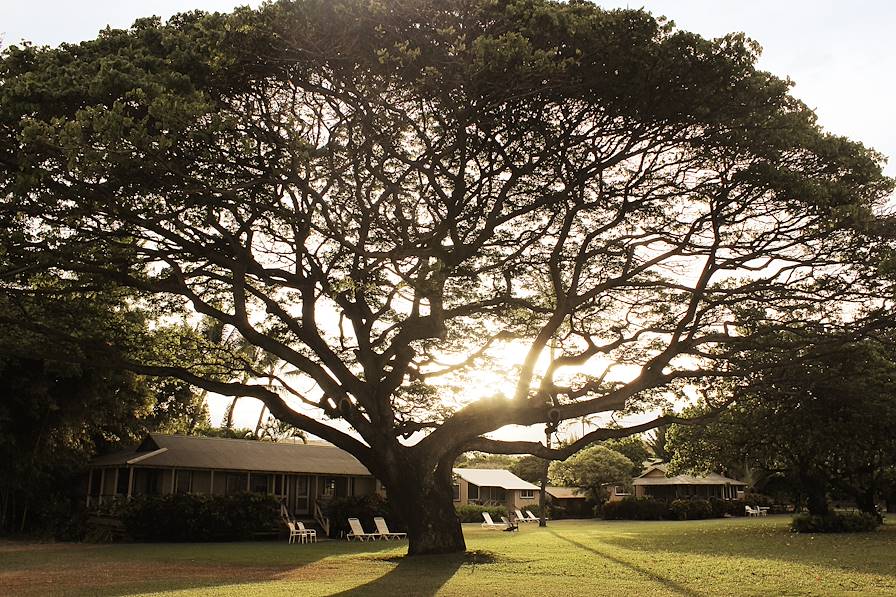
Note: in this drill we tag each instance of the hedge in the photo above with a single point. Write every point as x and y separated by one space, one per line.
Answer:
645 508
835 522
473 512
635 508
198 517
364 508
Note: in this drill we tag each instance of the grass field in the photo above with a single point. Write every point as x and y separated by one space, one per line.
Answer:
716 557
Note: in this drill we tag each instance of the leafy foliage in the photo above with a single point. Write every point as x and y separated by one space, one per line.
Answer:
823 418
835 522
364 508
473 512
634 508
591 470
387 196
195 518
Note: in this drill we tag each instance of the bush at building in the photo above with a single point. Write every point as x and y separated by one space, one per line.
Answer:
473 512
198 517
636 508
364 508
835 522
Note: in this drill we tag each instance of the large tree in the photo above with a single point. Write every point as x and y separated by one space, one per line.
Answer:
389 197
822 417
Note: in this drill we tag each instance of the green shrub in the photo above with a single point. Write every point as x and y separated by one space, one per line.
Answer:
473 512
758 499
635 508
198 517
364 508
835 522
691 509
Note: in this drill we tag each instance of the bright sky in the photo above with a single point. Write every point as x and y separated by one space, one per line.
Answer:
841 55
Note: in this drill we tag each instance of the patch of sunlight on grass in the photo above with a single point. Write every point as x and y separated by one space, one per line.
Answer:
735 557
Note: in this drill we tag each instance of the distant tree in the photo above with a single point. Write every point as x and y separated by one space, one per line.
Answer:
483 460
591 470
656 443
55 414
529 468
383 195
631 447
824 418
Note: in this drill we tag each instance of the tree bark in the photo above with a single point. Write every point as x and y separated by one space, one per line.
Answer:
816 498
426 502
865 503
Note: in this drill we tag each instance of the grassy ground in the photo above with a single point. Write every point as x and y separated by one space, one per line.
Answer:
716 557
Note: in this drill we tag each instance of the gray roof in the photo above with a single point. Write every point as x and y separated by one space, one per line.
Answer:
493 477
192 452
710 479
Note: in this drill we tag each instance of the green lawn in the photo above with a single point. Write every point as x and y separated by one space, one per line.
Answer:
716 557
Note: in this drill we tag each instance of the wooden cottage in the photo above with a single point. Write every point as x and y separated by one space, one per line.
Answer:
300 475
493 487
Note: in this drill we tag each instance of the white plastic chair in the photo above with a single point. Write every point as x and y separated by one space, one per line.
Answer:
309 535
294 532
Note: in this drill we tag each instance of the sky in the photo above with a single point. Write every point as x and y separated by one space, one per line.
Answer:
841 55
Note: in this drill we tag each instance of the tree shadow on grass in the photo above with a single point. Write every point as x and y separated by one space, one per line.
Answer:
127 569
666 582
418 575
870 553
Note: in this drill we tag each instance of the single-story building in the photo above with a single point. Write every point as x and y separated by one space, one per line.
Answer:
300 475
655 482
493 487
572 500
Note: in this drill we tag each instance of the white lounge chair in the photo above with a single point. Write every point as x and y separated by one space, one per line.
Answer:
532 517
489 523
358 532
383 529
752 511
521 518
763 510
293 532
307 535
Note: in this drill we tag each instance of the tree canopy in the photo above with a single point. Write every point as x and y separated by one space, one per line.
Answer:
391 196
591 470
823 419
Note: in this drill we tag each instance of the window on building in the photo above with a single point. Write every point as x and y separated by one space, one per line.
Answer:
455 491
183 481
472 492
259 483
620 490
329 487
234 483
527 494
121 484
278 485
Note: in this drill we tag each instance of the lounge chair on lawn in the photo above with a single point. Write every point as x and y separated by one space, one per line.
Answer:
309 535
532 517
521 518
489 523
763 510
752 511
358 532
510 526
383 528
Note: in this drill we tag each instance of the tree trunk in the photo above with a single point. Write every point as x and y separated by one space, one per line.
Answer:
426 501
816 498
865 503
